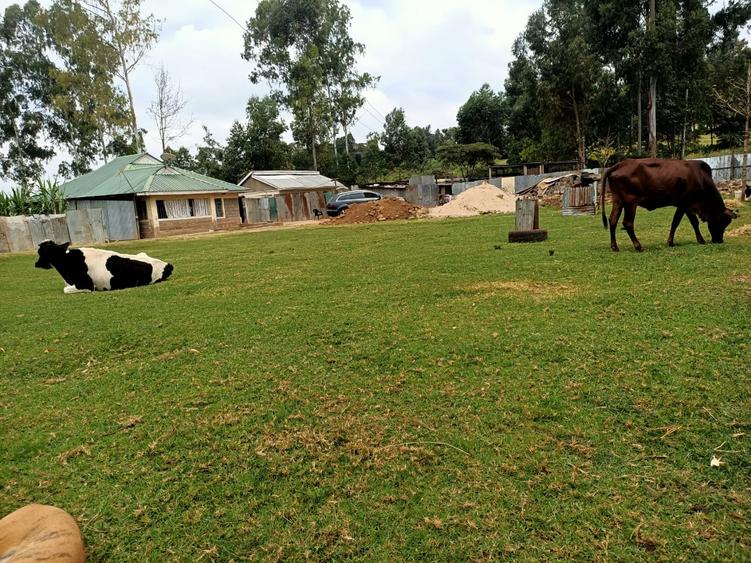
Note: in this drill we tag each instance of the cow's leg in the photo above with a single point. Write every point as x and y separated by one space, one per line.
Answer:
695 224
615 216
628 222
676 221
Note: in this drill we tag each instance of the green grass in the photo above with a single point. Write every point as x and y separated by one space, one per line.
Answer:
399 391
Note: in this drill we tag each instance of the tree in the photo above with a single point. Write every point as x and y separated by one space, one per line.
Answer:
166 109
467 157
182 158
395 137
87 100
209 159
483 118
131 35
29 129
735 96
303 48
258 144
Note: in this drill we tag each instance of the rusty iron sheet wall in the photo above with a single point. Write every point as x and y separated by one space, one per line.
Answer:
578 200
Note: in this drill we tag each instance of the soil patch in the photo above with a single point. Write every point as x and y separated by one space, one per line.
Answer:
481 199
386 209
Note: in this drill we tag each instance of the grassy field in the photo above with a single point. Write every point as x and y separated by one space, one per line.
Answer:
399 391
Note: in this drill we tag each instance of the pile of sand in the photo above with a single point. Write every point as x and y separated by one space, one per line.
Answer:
743 231
484 198
386 209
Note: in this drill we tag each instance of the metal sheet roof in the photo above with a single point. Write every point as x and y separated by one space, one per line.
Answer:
294 179
141 174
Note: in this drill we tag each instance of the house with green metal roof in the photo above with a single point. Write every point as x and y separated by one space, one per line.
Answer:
143 197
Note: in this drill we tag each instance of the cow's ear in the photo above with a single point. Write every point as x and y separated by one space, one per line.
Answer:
64 246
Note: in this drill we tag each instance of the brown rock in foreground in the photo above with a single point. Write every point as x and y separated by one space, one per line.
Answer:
40 533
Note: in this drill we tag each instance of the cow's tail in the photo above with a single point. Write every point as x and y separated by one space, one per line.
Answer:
603 189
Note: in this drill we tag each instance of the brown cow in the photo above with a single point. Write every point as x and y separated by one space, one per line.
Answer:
657 182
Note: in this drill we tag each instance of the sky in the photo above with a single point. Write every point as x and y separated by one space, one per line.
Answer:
430 54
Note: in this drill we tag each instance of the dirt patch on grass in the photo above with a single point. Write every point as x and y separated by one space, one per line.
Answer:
386 209
744 231
528 289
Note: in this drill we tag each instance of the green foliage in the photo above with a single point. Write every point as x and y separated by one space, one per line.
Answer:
483 118
462 403
468 157
305 50
29 129
257 144
47 198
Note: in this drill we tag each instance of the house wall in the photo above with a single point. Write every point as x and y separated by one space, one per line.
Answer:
154 227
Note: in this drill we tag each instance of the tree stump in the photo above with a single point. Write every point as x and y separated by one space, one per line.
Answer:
527 228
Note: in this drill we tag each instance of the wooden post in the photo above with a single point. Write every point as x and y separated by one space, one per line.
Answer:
527 227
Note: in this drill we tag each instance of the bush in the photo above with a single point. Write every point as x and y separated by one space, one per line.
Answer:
46 199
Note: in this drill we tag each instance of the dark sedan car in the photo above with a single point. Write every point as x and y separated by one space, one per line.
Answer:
342 201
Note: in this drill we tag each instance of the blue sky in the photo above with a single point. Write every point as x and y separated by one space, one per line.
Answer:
430 54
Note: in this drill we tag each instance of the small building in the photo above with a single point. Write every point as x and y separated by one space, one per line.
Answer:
142 197
286 195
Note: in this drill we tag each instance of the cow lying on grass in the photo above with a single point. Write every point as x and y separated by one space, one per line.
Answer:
656 182
91 269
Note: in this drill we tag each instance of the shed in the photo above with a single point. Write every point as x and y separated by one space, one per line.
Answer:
287 195
141 196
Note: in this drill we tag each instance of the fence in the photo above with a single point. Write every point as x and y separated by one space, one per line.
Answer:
23 234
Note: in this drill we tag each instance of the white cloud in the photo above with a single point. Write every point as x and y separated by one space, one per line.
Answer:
430 55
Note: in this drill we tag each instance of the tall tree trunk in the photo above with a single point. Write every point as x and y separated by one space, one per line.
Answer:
639 114
652 92
346 139
683 136
579 135
336 149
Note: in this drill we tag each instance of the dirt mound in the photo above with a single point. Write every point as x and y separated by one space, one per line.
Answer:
386 209
484 198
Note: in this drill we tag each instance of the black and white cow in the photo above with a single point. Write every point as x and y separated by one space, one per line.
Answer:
91 269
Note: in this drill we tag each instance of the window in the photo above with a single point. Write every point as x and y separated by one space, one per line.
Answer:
182 208
161 211
219 207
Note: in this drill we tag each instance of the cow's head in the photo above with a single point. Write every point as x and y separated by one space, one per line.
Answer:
718 223
50 252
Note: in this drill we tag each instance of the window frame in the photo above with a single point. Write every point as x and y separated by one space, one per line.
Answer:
219 207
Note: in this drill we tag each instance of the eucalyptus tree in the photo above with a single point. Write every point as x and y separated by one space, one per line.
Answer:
93 108
304 50
29 128
123 28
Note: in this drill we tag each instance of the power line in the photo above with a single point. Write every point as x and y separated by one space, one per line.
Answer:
367 101
372 114
230 16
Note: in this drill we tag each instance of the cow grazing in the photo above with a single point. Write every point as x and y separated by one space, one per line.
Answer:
656 182
91 269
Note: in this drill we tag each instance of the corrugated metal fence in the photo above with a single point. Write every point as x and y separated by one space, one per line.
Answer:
119 216
22 234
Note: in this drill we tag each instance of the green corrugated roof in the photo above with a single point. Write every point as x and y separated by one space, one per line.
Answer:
141 174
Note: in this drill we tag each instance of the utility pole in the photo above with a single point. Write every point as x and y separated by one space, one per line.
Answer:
652 91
